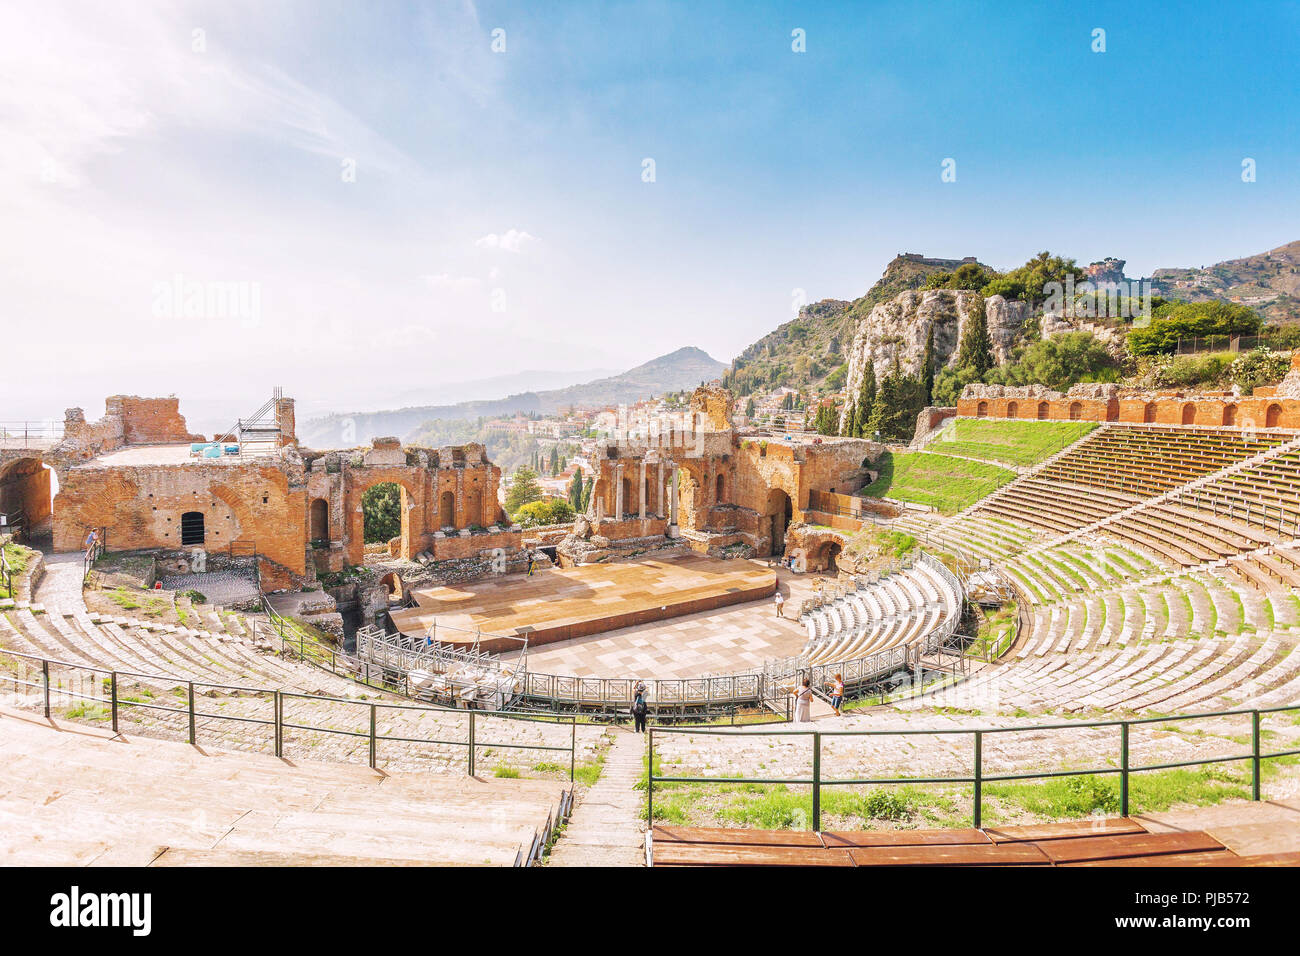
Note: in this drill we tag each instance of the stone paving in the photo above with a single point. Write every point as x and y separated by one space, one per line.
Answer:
606 828
218 587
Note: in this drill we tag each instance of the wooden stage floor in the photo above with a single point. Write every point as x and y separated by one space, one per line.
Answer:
561 604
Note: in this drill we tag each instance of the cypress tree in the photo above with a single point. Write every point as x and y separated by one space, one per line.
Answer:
866 403
976 351
927 370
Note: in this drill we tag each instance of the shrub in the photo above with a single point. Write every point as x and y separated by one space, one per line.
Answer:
1191 320
544 512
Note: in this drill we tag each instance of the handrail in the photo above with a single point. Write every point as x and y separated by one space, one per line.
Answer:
1125 769
116 702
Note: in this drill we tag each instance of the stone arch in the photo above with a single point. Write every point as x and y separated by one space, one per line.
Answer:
1230 414
1149 412
720 487
1076 411
1013 408
392 582
779 511
1189 413
982 410
1273 416
1044 411
320 521
411 501
447 510
27 490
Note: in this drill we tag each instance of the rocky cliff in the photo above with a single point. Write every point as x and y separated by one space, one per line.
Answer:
900 327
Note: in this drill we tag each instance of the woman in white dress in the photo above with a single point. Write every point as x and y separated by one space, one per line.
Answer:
803 703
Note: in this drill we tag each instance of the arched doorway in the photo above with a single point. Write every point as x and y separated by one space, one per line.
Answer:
779 511
1013 408
193 529
447 510
1273 417
1229 414
982 410
27 489
831 557
721 489
1076 411
1149 412
1044 410
382 512
320 521
392 581
1189 414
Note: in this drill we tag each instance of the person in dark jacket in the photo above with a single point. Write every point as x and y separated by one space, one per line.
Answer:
639 711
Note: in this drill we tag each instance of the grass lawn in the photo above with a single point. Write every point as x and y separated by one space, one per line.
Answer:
17 556
1013 442
949 484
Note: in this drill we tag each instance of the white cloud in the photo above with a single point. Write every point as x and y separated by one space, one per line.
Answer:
511 241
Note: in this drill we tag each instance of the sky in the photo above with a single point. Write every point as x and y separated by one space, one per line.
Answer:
367 202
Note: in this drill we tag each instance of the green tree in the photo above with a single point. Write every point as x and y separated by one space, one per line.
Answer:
575 491
1028 283
546 512
976 351
750 408
864 417
381 511
927 368
523 489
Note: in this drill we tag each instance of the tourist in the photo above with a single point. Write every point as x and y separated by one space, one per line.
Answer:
780 605
837 693
803 703
91 538
530 564
639 709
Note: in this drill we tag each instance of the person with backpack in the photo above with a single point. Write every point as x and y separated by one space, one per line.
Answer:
639 710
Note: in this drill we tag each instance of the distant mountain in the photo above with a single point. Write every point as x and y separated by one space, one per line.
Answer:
809 350
684 369
1268 282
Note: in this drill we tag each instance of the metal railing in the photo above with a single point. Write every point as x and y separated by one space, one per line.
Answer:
94 550
978 777
6 571
38 435
107 682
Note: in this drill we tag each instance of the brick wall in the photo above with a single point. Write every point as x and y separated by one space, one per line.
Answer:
1164 408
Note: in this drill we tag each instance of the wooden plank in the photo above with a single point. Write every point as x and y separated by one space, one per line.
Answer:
986 854
715 854
1127 845
850 838
1110 826
735 837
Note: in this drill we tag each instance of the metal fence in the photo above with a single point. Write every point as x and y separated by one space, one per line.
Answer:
100 686
978 778
35 435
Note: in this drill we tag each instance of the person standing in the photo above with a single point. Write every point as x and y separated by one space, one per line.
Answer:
803 703
780 605
837 693
639 710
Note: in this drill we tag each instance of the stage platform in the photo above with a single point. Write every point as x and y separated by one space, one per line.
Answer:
561 604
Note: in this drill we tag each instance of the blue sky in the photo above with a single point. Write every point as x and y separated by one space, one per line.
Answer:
499 221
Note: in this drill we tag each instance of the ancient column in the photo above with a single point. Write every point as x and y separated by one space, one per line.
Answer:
672 499
618 493
642 488
659 491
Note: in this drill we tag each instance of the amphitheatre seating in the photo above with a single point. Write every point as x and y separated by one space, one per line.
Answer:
325 716
139 802
873 616
1112 842
1118 466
